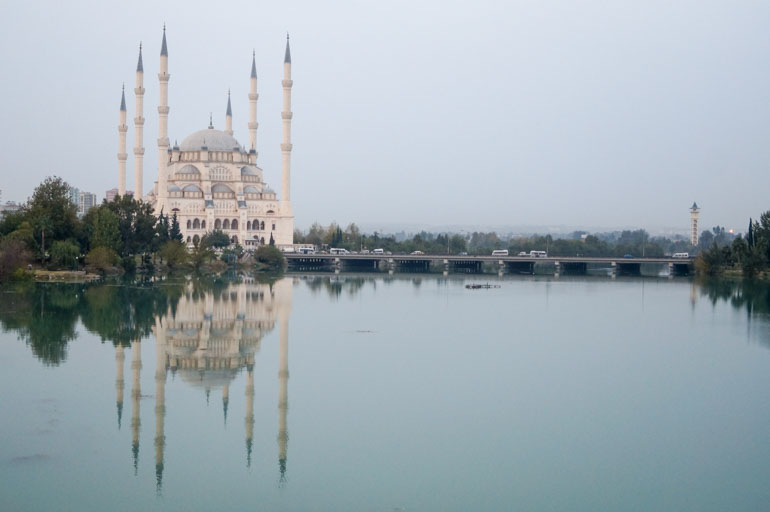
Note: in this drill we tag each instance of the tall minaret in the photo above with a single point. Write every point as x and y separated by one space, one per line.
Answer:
139 124
286 115
229 116
136 395
694 212
283 396
122 156
163 109
253 96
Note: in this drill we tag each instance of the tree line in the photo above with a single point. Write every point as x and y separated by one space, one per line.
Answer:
118 235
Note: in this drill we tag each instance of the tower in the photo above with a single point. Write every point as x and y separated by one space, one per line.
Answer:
163 110
120 357
286 146
229 116
139 126
694 211
253 96
283 397
161 359
136 395
122 156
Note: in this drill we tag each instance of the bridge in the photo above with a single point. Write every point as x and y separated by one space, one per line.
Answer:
511 264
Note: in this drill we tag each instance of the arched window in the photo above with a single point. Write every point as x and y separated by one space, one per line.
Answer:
203 224
218 224
196 239
262 226
262 240
226 224
189 224
234 224
196 224
188 240
234 239
248 225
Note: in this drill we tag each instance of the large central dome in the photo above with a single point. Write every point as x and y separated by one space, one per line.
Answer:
214 140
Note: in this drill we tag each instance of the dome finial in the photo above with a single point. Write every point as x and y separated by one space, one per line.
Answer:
287 56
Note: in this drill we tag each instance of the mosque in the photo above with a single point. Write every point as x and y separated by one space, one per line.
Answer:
210 180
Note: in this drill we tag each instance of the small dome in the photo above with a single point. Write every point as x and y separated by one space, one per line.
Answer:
174 188
250 190
221 188
214 140
251 171
268 190
188 169
192 188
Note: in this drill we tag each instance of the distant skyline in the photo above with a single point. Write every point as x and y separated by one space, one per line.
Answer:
433 113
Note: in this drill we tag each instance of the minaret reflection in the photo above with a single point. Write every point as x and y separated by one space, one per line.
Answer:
136 395
283 399
120 357
208 339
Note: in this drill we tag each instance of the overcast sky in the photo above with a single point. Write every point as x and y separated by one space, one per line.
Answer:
601 113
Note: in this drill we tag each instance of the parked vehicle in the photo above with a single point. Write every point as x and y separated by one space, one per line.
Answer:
500 252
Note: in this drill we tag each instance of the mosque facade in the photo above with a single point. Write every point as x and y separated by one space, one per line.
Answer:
210 180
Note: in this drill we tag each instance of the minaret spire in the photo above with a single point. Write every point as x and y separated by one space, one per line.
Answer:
286 146
139 129
283 396
229 116
253 96
161 365
163 111
122 155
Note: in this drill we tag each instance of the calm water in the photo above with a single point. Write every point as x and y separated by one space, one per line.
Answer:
408 393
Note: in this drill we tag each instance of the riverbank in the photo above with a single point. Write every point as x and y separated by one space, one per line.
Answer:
66 276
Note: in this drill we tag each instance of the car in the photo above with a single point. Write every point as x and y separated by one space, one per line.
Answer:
628 255
523 253
364 251
417 253
463 254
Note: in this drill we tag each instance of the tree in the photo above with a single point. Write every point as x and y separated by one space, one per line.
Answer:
64 254
13 258
272 240
216 238
268 257
51 213
175 233
105 229
102 259
174 253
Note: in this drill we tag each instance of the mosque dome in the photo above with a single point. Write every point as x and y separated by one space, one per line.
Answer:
188 169
246 170
214 140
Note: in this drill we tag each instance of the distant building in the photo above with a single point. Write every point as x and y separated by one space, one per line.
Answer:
9 207
694 211
111 193
86 201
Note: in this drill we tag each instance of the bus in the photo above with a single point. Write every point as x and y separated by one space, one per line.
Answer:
306 250
681 255
378 251
335 250
500 252
538 254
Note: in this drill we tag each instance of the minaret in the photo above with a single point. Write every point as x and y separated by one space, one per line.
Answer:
163 110
249 411
694 212
136 394
253 96
120 357
160 401
283 398
229 116
225 401
286 115
139 125
122 156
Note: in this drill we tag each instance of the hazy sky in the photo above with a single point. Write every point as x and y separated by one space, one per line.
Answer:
600 113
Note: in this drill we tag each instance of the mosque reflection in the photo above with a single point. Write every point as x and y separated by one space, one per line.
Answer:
207 338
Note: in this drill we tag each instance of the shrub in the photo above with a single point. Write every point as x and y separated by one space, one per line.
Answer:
269 257
13 257
174 253
64 254
102 259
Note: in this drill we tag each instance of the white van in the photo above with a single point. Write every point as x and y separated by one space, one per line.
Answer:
538 254
500 252
335 250
378 251
306 250
681 255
